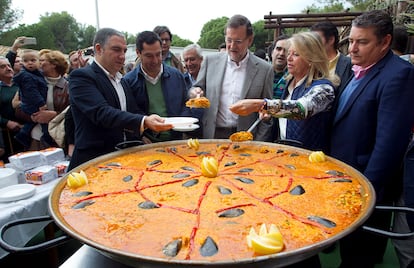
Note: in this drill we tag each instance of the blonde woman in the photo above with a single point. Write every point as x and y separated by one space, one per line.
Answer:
304 110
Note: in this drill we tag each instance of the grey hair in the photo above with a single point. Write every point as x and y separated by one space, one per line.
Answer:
102 36
4 58
193 46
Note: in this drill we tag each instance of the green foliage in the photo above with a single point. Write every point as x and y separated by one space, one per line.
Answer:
262 36
212 34
64 28
179 42
8 16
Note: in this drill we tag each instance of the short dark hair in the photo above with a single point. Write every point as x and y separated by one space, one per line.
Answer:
380 20
237 21
148 37
400 38
328 30
162 29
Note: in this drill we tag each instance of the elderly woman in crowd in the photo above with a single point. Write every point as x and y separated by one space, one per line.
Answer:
304 110
54 66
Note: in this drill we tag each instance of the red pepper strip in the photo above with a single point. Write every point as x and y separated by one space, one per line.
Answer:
236 206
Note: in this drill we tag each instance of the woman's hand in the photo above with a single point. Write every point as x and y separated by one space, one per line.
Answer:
247 106
43 117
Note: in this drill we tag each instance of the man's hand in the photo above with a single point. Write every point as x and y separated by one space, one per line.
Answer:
13 125
195 92
156 123
43 116
18 43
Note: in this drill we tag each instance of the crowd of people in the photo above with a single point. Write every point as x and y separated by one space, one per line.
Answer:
353 107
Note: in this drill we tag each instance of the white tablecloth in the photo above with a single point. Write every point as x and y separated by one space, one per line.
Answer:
37 205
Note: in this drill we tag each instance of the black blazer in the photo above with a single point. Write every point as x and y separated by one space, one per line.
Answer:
100 123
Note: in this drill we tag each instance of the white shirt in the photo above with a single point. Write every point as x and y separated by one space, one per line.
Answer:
231 91
283 121
116 82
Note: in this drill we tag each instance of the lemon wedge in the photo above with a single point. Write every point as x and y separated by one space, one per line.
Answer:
209 167
77 179
317 156
265 242
193 143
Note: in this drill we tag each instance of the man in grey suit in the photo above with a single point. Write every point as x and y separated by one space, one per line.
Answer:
226 78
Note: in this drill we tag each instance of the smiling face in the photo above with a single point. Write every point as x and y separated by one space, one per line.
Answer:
151 58
192 62
365 48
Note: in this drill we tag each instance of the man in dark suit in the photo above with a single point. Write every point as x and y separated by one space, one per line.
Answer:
103 108
372 126
338 63
226 78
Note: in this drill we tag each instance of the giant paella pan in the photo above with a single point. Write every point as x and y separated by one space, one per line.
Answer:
211 203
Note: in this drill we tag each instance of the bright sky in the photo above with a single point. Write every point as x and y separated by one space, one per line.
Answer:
184 18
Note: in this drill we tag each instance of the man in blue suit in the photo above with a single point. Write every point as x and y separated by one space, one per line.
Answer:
103 108
372 126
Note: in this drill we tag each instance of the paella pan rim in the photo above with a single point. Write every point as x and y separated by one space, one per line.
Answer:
282 258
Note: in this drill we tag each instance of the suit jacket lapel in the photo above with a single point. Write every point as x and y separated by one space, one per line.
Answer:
358 91
108 88
252 67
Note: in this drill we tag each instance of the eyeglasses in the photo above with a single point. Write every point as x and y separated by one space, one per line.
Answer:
166 40
236 42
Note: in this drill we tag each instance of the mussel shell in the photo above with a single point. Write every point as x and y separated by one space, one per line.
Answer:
231 213
245 180
298 190
335 173
82 193
154 162
127 178
229 164
83 204
190 183
325 222
148 205
114 164
290 167
172 248
224 190
340 180
180 175
245 170
209 247
187 168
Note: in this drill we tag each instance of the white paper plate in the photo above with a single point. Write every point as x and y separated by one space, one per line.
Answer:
181 121
17 192
186 128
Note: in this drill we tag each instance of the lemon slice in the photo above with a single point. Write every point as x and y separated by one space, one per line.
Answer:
77 179
317 156
193 143
266 242
209 167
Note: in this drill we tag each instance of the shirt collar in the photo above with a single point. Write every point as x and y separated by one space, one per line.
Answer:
117 77
149 78
359 71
